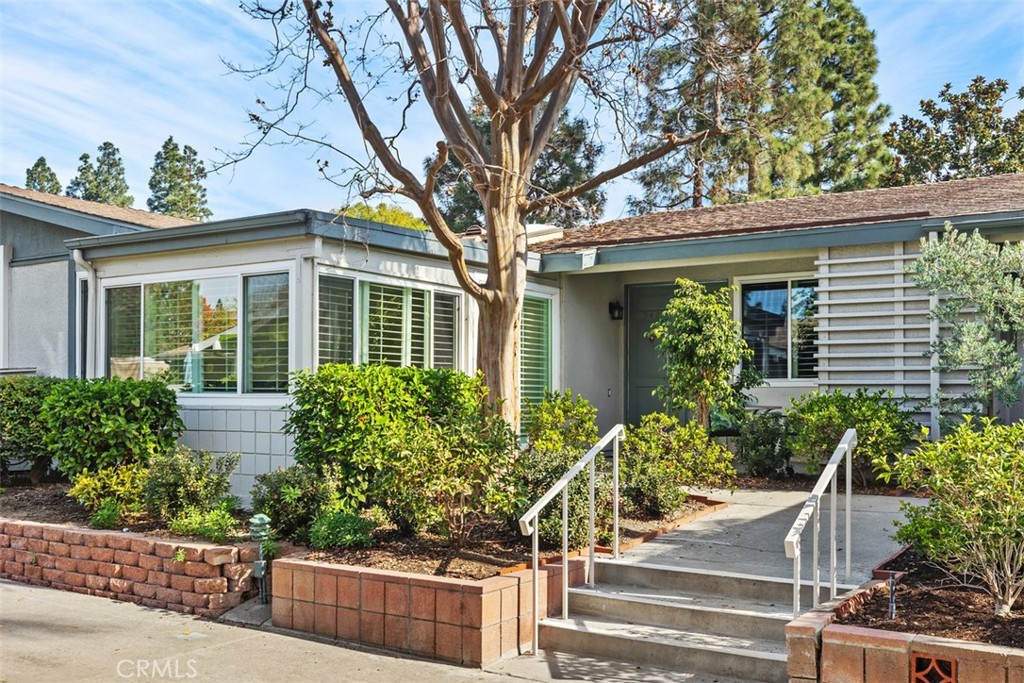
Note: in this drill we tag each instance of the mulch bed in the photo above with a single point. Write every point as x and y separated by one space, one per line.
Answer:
929 602
806 482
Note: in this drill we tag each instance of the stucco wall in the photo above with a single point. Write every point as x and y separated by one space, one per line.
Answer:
38 318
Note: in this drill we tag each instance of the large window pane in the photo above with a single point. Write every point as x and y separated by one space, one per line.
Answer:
803 308
765 327
416 330
266 333
445 330
124 331
384 315
534 350
335 333
191 334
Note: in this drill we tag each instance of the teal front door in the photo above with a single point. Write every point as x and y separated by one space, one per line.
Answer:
644 367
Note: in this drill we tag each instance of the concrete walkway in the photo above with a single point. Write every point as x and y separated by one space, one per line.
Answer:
747 537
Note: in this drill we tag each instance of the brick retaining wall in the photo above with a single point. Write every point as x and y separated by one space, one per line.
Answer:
472 623
130 567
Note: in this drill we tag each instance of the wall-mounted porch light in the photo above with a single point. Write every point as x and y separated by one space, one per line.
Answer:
615 310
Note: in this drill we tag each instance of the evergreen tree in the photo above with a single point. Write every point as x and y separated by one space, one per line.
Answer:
388 214
965 135
105 182
176 183
813 122
41 178
569 158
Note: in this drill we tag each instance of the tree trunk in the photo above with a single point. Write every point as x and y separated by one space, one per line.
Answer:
498 355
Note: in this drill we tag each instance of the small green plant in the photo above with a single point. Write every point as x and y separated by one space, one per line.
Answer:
21 426
214 525
973 524
92 424
107 514
819 419
702 346
123 484
764 445
185 478
292 497
559 431
661 457
179 555
340 529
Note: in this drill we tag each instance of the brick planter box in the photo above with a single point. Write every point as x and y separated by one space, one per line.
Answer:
130 567
472 623
823 652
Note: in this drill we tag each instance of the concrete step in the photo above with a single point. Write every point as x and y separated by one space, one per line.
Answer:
701 581
691 651
713 614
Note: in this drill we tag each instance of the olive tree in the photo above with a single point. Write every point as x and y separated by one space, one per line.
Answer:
702 348
414 70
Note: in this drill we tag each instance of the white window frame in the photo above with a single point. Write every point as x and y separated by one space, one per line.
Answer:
239 273
358 278
5 257
552 294
737 305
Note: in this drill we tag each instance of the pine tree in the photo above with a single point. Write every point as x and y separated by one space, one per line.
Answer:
41 178
105 182
176 183
813 122
965 135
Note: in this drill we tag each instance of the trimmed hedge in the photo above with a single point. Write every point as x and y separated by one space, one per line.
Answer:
21 425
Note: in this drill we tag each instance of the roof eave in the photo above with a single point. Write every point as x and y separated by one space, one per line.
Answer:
68 218
607 257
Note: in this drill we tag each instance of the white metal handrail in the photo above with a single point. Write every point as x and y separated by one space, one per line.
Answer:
528 523
810 511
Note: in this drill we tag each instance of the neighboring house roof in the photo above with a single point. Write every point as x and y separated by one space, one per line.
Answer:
145 219
994 194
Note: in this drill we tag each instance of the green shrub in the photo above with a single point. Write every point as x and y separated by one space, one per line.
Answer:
184 478
214 525
819 419
340 529
973 524
559 431
343 417
97 423
292 497
21 426
446 475
107 515
124 484
764 445
661 456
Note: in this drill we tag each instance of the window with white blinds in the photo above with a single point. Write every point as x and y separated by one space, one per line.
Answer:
779 324
187 333
395 330
266 333
336 331
534 350
446 311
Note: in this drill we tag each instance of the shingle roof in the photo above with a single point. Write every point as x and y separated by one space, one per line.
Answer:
936 200
145 219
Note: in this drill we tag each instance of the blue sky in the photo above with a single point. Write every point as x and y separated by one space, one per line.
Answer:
76 73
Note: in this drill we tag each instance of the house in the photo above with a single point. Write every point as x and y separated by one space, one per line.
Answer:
225 310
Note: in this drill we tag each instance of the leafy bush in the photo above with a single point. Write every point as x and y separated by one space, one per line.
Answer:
184 478
124 484
96 423
21 426
661 456
340 529
107 514
973 524
343 417
447 475
292 497
559 431
214 525
764 445
819 419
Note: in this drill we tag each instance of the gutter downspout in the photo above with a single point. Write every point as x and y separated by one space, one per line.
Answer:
90 323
